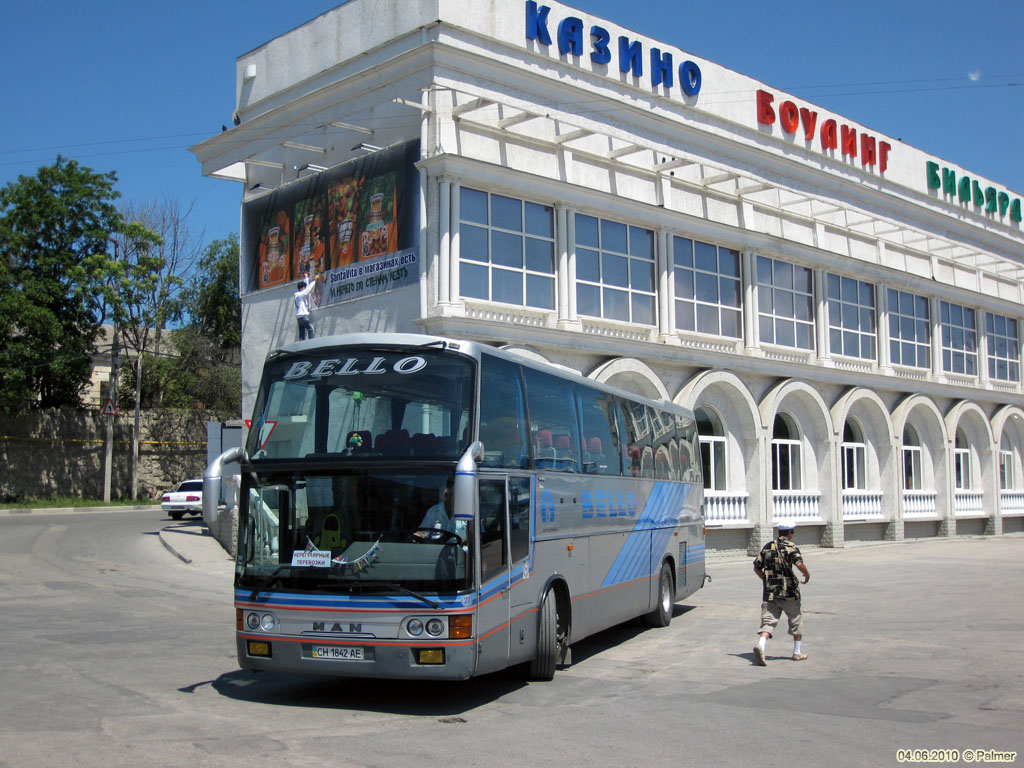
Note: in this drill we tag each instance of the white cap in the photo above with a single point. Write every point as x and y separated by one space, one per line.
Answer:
786 525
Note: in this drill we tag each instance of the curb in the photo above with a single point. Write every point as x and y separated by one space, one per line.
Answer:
170 548
76 510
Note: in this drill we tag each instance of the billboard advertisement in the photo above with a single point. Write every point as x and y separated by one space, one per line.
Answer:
354 223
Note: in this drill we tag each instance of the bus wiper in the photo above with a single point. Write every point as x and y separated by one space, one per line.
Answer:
398 588
266 581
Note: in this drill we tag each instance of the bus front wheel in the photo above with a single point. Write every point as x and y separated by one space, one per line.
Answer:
662 613
550 641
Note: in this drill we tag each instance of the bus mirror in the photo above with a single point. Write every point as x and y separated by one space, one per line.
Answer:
466 500
212 483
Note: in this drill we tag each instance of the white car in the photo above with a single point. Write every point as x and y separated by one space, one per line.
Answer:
187 498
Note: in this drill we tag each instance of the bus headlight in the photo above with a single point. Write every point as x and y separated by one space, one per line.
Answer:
268 622
252 620
435 627
414 627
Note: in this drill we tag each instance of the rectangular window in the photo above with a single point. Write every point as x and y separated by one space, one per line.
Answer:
1003 348
912 477
851 317
785 296
959 339
506 250
854 463
910 330
615 271
712 454
786 465
709 290
962 468
1006 470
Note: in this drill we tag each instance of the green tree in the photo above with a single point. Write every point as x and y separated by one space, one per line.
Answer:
200 375
201 366
213 302
54 269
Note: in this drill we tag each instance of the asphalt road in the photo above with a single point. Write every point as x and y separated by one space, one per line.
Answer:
116 652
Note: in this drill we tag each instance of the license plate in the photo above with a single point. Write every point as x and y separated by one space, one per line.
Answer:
339 652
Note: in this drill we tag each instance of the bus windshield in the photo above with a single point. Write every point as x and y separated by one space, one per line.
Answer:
361 402
367 530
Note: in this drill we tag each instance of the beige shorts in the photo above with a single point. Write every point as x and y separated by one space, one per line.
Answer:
771 612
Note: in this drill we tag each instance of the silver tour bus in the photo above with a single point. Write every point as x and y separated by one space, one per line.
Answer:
420 507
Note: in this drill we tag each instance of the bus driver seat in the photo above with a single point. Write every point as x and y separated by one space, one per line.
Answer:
330 534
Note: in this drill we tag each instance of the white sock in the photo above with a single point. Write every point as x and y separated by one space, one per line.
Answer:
796 646
761 641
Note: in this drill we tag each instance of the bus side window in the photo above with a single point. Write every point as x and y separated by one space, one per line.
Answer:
600 433
553 420
492 528
689 464
519 517
502 416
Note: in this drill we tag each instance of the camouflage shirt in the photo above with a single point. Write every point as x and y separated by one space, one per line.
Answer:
776 561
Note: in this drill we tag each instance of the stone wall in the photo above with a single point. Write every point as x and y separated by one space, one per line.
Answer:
61 452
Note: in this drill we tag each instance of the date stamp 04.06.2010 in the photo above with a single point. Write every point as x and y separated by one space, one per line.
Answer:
951 756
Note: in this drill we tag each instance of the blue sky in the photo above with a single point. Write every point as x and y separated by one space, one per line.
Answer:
129 86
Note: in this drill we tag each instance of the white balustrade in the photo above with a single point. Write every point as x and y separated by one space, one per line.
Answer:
725 507
862 505
919 504
796 505
969 503
1011 502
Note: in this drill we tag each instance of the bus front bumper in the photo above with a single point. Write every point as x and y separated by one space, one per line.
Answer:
431 661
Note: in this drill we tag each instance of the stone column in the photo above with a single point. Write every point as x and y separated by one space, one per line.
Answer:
882 330
453 228
821 319
751 327
444 232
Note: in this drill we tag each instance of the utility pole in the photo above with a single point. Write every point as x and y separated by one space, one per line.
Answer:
135 434
115 364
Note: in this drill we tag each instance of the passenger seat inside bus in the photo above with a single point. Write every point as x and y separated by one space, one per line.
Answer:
593 458
394 442
423 444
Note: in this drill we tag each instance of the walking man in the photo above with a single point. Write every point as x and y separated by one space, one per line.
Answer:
302 307
774 566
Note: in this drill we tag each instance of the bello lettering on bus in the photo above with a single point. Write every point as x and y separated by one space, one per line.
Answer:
631 52
608 504
303 368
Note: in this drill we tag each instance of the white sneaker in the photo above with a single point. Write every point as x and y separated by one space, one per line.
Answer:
759 656
799 656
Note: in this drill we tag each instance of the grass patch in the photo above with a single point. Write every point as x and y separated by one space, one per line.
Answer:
74 501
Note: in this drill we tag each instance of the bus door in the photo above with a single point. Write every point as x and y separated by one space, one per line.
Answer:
504 548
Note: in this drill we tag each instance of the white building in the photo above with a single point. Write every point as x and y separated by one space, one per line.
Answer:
844 310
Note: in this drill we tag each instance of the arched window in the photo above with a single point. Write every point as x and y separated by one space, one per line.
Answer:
712 448
854 453
962 461
785 455
1007 478
913 476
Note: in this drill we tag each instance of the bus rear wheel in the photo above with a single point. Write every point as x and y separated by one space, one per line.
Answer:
550 640
662 613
